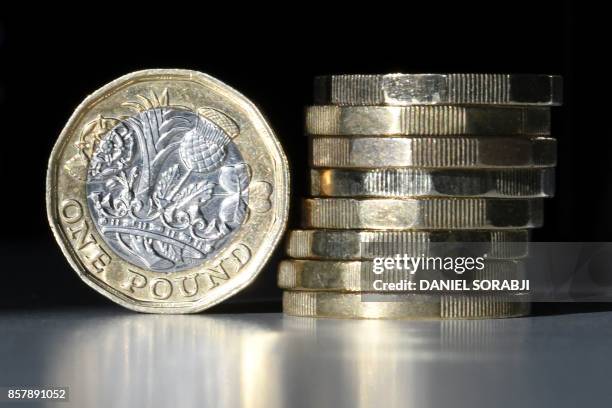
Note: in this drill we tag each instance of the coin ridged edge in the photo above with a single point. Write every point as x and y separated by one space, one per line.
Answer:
504 244
414 182
462 307
437 213
460 88
426 120
352 306
459 152
359 276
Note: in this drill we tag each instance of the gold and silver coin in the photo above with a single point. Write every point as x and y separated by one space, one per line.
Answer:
359 276
433 152
426 121
434 213
439 89
417 182
328 244
402 306
167 191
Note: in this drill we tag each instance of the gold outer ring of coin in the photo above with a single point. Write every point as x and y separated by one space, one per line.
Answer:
369 244
435 213
426 121
393 306
358 276
443 89
414 182
229 269
433 152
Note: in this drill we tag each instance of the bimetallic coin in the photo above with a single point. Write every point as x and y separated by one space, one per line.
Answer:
443 89
434 213
426 121
353 245
414 182
359 276
432 152
400 306
167 191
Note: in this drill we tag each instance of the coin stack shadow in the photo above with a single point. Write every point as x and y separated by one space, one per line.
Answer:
406 163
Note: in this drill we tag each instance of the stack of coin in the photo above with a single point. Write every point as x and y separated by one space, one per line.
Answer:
402 162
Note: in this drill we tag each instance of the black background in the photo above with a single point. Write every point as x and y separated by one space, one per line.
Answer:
50 63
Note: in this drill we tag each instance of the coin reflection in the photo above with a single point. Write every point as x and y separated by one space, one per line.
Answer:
364 363
267 360
167 361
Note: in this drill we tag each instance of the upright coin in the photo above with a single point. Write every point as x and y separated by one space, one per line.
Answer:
439 89
167 191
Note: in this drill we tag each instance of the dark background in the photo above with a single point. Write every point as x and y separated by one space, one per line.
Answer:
48 64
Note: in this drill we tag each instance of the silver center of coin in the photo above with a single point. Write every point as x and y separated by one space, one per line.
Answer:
167 188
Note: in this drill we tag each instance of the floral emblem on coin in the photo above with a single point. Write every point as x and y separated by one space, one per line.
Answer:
167 187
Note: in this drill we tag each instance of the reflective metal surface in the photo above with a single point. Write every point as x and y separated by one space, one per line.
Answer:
433 89
422 214
114 358
414 182
426 120
433 152
195 173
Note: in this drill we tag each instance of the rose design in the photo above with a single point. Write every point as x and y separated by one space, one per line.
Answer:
168 186
113 153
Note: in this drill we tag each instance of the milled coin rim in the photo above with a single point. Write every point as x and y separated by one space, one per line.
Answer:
448 152
437 120
341 305
421 213
350 275
399 89
303 243
422 182
260 257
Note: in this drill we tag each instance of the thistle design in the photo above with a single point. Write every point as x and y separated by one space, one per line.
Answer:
167 184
